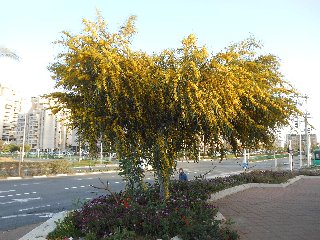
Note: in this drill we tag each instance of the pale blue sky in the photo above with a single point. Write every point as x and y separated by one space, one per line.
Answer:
289 29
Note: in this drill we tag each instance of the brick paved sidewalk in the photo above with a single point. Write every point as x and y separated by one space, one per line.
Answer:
291 213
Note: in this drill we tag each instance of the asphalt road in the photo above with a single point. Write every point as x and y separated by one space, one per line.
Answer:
31 201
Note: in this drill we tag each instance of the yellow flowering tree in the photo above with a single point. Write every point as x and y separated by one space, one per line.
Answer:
151 107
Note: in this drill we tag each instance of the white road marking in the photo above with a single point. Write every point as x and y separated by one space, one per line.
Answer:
18 194
7 191
14 216
21 200
2 196
26 199
79 179
10 195
41 215
24 184
116 182
26 209
26 193
46 215
82 186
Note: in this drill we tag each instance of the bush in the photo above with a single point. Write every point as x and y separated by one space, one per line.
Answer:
34 168
65 228
59 166
186 214
144 216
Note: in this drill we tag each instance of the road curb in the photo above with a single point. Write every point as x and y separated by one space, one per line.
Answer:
41 232
11 178
229 191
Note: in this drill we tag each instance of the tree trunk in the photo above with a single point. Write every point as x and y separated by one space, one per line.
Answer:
163 179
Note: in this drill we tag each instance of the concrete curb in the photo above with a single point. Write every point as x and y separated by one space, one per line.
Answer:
44 229
229 191
41 232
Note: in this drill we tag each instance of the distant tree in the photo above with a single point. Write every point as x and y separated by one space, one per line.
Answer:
11 147
27 148
5 52
151 107
1 145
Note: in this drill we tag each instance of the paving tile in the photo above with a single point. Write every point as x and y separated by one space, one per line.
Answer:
276 213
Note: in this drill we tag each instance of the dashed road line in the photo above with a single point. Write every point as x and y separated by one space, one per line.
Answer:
41 215
17 194
75 187
32 208
21 200
12 190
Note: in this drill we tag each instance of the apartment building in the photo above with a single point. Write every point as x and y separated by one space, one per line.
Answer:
44 131
10 107
295 141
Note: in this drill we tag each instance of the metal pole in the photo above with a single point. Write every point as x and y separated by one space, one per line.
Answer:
60 140
110 154
290 155
80 152
308 153
300 152
306 150
245 164
101 153
24 136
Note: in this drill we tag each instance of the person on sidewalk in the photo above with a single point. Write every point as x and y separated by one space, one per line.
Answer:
182 175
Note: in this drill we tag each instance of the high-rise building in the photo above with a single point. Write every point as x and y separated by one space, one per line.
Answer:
44 131
10 107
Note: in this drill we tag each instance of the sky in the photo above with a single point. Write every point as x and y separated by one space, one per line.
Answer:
289 29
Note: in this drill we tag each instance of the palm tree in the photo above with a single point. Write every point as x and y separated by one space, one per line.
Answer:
5 52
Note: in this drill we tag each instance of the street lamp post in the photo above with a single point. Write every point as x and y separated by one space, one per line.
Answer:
23 143
101 152
24 137
300 151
